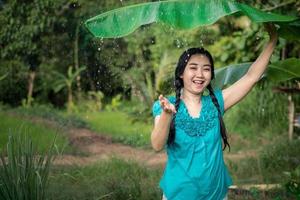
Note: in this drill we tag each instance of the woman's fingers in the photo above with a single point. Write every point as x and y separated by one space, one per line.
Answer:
166 105
271 29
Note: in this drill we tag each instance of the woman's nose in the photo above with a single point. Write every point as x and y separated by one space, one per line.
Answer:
200 72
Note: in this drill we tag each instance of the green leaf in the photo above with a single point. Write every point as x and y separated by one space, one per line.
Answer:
290 31
229 74
284 70
279 71
59 87
3 76
187 14
76 73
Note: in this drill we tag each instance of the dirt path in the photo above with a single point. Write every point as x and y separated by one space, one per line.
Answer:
99 147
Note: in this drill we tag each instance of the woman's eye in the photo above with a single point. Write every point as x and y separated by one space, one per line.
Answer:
206 69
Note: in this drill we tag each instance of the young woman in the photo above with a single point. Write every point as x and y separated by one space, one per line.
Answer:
192 128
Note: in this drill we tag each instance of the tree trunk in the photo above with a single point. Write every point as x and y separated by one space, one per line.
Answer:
76 62
30 87
283 53
70 99
291 116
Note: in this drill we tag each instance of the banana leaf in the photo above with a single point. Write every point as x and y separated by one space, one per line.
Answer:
186 14
290 31
277 72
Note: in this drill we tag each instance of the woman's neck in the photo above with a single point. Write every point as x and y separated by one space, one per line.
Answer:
190 97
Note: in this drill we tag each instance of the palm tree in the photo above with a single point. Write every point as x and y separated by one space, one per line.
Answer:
67 81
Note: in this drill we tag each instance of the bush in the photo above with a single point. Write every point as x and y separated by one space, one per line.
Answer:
13 88
91 103
24 174
261 112
278 157
293 183
50 113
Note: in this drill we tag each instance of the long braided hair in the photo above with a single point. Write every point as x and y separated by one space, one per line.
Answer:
182 62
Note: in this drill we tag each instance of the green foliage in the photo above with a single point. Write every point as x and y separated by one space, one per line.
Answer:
245 171
284 70
50 113
139 113
110 180
13 87
12 123
279 157
67 81
93 102
3 76
293 184
115 103
258 112
178 14
119 126
24 173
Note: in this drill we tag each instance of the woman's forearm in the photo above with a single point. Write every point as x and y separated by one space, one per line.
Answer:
257 69
160 132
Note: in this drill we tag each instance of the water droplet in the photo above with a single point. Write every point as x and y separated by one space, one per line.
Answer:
178 43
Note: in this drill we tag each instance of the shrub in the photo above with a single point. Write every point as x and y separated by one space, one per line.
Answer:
50 113
278 157
24 174
293 183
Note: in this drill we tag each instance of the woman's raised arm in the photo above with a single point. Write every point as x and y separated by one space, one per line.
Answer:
236 92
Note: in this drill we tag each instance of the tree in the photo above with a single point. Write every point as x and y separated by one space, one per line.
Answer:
67 81
23 25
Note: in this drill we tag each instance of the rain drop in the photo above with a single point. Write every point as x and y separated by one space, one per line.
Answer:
178 43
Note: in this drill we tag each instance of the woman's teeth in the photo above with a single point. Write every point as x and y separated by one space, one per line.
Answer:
198 82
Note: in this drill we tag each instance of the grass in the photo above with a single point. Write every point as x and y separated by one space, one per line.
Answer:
118 179
41 135
61 118
109 180
270 166
24 171
118 125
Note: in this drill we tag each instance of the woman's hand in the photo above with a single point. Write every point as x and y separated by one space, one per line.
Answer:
166 105
272 31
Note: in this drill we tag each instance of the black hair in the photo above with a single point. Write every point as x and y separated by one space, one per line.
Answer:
182 62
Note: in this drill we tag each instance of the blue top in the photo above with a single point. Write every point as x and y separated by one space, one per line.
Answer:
195 168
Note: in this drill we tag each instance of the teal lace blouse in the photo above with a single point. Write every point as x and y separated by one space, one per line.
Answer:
195 168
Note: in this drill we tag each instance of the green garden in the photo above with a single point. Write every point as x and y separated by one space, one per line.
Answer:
76 95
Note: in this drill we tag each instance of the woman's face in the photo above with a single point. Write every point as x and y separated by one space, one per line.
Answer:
197 74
